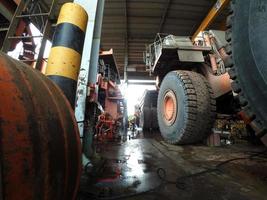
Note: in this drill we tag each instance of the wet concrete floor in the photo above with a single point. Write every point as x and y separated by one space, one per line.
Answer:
148 168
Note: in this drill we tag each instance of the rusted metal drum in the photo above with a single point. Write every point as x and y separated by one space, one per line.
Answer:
39 141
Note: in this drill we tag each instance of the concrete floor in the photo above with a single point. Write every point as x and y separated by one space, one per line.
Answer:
128 170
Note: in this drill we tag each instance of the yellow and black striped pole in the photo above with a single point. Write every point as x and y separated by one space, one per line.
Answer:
65 57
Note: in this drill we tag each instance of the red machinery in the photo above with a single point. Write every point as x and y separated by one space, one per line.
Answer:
110 100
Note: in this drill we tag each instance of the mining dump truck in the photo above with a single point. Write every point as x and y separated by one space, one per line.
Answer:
191 77
220 72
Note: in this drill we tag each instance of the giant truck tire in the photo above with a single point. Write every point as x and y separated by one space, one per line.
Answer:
154 118
246 35
148 115
148 119
145 118
186 107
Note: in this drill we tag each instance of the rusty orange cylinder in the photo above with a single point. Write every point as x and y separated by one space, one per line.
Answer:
40 151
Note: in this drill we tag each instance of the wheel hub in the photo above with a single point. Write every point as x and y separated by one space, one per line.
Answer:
169 107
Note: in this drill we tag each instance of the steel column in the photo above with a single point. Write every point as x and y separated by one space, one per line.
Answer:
126 54
87 134
96 42
82 91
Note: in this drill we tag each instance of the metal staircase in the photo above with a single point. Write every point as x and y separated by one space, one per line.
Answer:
27 12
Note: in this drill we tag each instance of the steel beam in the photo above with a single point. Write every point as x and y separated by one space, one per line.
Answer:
3 29
6 9
46 31
141 82
40 58
126 54
139 76
213 13
165 13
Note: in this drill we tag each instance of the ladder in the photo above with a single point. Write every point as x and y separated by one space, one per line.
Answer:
29 11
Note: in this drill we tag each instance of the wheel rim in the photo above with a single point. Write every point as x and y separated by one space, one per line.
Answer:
169 107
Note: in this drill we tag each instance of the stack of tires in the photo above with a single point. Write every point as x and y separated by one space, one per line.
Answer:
148 107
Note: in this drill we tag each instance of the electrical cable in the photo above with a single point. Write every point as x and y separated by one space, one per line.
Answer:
92 196
180 181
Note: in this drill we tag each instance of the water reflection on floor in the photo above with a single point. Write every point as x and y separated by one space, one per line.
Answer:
128 170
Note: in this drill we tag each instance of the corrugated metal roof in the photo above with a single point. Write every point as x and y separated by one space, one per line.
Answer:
145 18
131 24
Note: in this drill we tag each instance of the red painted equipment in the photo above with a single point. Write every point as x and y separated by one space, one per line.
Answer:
107 93
105 127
